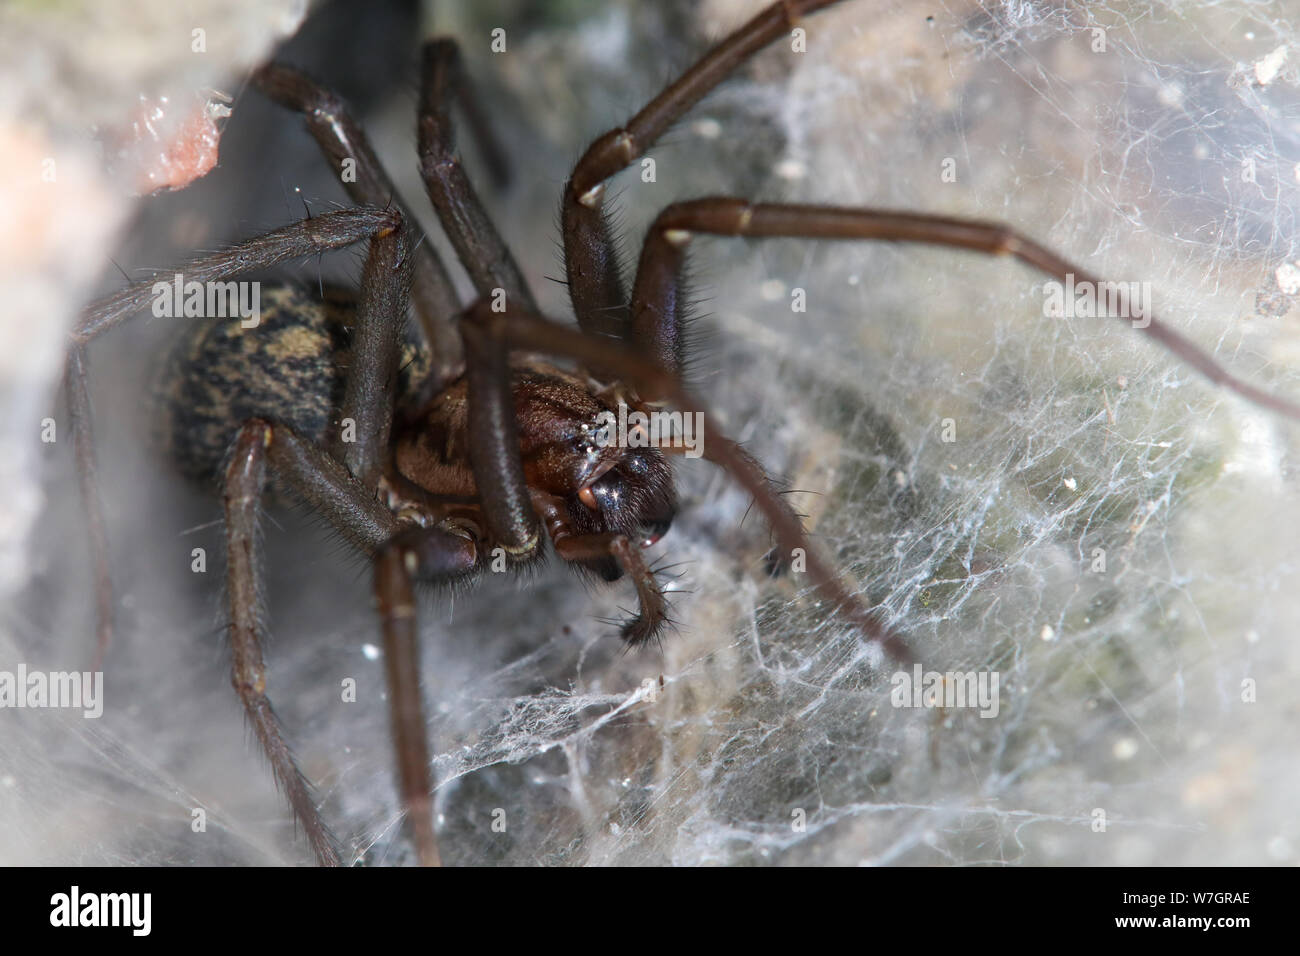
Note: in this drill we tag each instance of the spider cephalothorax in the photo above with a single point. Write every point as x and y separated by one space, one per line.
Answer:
452 446
579 482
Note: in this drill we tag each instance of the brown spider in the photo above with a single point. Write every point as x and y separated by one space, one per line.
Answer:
440 453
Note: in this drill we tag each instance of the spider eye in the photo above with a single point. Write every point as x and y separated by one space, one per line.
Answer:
588 498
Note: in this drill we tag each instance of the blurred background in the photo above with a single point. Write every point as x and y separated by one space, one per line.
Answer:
1147 141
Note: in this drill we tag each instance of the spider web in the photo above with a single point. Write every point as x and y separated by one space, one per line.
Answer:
764 731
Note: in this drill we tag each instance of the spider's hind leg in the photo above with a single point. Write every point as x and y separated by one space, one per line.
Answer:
330 231
328 486
77 394
342 489
400 552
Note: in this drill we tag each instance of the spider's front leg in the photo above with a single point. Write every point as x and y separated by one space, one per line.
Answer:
591 259
657 306
509 508
494 455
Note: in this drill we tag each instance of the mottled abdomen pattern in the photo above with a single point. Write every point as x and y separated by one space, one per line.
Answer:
288 369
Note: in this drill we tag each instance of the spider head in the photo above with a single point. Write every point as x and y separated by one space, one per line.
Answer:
605 479
633 495
601 472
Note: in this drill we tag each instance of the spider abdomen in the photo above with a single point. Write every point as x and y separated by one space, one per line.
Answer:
290 368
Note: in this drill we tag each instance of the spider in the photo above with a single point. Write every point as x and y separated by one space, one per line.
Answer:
443 450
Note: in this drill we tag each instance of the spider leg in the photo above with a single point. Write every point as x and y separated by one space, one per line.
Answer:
83 444
330 231
478 245
342 138
590 259
434 553
342 490
654 609
656 305
513 328
369 395
494 440
322 481
385 289
399 551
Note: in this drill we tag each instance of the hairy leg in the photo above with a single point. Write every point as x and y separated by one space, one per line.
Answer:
308 471
83 443
478 245
401 552
369 396
341 138
434 554
656 298
330 231
494 440
591 263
